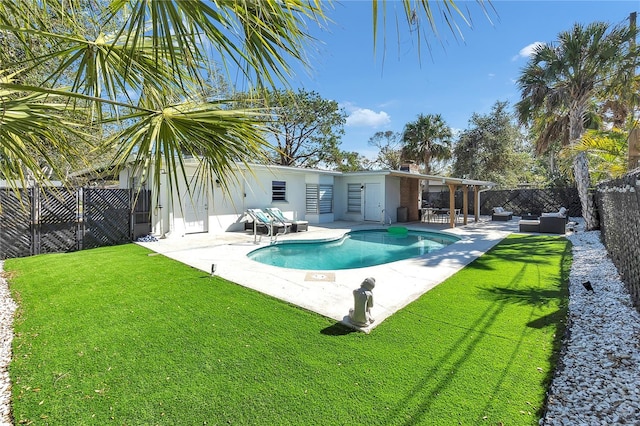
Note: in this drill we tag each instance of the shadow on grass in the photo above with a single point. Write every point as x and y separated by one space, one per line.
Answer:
461 350
541 297
557 317
533 297
526 296
517 250
337 329
520 249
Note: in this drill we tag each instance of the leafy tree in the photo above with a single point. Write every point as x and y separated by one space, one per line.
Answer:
305 127
493 149
349 161
560 83
389 144
428 138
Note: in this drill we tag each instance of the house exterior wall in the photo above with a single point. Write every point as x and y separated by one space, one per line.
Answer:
364 181
392 199
210 209
340 206
259 191
317 179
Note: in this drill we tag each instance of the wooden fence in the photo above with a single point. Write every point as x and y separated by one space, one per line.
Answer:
519 201
50 220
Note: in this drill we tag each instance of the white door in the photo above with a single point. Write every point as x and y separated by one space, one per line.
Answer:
195 214
372 202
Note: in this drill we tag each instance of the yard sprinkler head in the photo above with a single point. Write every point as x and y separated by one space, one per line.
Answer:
213 269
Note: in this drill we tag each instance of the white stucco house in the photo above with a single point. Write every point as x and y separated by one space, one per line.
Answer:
317 196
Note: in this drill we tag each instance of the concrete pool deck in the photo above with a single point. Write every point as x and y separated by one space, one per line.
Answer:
330 293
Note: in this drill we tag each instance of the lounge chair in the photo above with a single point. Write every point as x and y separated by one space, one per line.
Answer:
296 225
500 214
265 224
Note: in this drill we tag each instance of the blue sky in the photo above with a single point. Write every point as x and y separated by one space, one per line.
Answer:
454 77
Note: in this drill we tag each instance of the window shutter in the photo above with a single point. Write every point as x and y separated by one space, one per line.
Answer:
354 198
278 190
319 198
312 199
325 197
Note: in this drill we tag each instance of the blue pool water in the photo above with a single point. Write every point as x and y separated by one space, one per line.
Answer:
356 249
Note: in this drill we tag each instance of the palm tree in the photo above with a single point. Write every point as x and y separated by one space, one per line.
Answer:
606 150
561 81
138 69
129 77
426 139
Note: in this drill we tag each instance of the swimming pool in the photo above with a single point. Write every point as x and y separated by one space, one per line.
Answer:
356 249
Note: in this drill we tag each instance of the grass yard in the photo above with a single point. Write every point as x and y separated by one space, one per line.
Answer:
115 336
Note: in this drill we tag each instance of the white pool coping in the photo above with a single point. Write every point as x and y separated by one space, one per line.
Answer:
397 283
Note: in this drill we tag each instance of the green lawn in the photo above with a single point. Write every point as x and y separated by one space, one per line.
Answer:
113 335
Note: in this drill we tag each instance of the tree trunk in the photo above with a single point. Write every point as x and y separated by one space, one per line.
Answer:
581 166
583 181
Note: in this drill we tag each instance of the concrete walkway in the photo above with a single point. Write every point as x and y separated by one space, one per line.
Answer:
329 293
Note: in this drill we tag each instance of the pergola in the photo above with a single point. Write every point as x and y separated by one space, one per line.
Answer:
453 184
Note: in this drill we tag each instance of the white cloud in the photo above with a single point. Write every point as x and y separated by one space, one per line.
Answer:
363 117
528 50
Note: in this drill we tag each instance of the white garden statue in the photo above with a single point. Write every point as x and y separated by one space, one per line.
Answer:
360 315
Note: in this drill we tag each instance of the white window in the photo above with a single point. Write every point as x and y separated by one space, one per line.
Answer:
319 199
278 190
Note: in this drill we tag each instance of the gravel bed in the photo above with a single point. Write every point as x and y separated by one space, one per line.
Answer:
597 381
598 377
7 309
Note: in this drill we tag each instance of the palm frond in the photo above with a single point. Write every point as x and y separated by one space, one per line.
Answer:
261 39
606 150
211 134
428 11
30 131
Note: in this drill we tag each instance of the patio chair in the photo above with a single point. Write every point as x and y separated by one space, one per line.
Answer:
265 224
296 225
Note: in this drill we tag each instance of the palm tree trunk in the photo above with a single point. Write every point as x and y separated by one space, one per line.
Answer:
583 181
581 167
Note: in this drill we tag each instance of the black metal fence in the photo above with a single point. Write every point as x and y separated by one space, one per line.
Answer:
51 220
519 201
618 203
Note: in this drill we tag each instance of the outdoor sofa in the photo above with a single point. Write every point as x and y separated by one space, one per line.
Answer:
500 214
554 223
548 223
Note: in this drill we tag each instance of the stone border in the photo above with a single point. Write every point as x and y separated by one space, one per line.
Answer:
7 311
